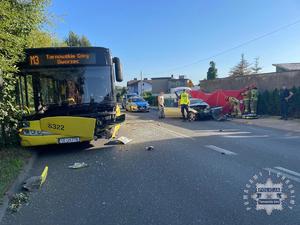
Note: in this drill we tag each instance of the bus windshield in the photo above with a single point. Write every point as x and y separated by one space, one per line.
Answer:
75 85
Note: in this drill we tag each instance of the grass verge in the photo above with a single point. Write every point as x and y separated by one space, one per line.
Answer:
12 161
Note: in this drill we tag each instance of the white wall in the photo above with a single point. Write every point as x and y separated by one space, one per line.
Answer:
145 87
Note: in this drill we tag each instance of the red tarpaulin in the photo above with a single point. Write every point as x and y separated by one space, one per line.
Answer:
218 98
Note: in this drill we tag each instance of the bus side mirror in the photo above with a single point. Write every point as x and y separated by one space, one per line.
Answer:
118 69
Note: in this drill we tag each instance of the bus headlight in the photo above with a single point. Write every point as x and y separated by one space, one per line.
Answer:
27 132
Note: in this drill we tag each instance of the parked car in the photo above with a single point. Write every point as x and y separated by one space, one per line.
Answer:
137 104
126 97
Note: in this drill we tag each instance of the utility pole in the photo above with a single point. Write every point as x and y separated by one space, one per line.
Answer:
142 83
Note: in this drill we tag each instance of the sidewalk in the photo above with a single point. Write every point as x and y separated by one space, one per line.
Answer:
273 122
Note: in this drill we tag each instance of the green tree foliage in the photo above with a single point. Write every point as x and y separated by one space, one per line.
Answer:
147 94
56 42
256 68
241 69
74 40
294 108
123 91
40 38
84 42
17 20
212 72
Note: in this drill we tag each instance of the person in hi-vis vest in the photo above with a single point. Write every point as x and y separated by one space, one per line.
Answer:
184 102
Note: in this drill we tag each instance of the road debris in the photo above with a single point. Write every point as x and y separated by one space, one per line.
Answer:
78 165
101 163
221 130
32 183
17 201
119 141
149 148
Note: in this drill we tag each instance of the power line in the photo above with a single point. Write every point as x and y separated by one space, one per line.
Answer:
232 48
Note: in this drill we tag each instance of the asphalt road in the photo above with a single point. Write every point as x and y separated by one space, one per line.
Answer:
198 173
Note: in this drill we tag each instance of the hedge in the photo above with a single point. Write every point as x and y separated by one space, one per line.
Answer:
269 103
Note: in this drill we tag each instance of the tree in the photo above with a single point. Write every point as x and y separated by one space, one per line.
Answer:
212 72
256 68
84 42
38 38
123 91
241 69
18 20
74 40
56 42
41 38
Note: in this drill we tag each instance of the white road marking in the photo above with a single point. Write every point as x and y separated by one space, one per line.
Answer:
221 150
283 174
292 137
243 136
288 171
173 132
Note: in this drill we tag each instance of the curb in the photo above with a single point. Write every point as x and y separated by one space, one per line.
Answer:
15 185
263 125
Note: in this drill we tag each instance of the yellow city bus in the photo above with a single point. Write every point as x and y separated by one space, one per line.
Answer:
68 95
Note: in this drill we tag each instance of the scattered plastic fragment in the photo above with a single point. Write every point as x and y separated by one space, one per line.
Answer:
17 201
149 148
78 165
32 183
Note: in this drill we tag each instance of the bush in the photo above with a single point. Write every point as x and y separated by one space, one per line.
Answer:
152 100
269 103
17 20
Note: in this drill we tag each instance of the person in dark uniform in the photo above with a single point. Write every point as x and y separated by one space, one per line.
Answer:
285 96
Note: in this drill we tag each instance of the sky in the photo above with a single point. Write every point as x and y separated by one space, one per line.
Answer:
164 37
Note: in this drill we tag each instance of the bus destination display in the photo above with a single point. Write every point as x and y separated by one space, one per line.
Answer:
62 59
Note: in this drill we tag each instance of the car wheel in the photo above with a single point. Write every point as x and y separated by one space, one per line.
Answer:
192 116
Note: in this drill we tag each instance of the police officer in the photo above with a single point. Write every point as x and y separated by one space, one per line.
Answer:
253 100
246 100
285 96
184 102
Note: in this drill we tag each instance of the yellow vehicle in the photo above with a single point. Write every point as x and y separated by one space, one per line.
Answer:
68 94
198 109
